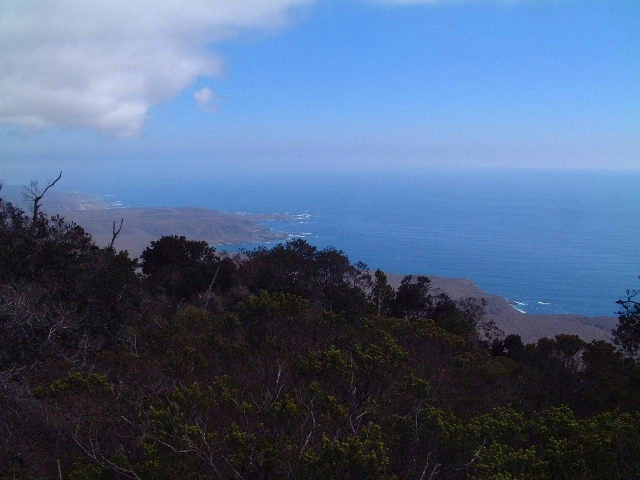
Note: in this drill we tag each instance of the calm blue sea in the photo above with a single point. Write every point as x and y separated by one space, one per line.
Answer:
551 241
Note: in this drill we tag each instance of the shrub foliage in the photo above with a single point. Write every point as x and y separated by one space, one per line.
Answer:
289 362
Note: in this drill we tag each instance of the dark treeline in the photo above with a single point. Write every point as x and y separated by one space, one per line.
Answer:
288 362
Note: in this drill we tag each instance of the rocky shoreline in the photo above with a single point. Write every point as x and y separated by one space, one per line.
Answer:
530 327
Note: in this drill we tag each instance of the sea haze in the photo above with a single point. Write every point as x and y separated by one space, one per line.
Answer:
550 241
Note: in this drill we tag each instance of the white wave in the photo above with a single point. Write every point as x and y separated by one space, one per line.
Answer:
516 305
291 236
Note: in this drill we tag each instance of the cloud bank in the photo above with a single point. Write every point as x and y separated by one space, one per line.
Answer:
101 64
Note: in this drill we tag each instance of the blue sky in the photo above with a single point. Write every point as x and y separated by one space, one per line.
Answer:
198 87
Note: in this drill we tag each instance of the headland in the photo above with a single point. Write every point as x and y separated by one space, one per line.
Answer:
141 225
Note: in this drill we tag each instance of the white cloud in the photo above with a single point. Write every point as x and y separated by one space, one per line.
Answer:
101 64
205 99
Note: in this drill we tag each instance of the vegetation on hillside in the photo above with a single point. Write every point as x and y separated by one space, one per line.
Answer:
286 362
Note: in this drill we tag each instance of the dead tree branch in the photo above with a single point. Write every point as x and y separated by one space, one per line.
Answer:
210 289
115 233
35 195
92 450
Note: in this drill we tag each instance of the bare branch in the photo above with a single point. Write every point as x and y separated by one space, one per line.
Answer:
34 194
426 467
209 290
92 450
115 233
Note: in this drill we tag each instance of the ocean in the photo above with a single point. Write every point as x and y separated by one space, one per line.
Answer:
549 241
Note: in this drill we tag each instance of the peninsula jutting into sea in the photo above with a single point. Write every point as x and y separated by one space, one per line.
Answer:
141 225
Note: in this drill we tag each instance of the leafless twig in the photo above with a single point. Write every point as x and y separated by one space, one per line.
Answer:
115 233
34 194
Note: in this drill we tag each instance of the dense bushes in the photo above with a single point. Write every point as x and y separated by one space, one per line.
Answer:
59 293
287 362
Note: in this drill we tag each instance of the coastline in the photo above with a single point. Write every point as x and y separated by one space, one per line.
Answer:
145 224
142 225
530 327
